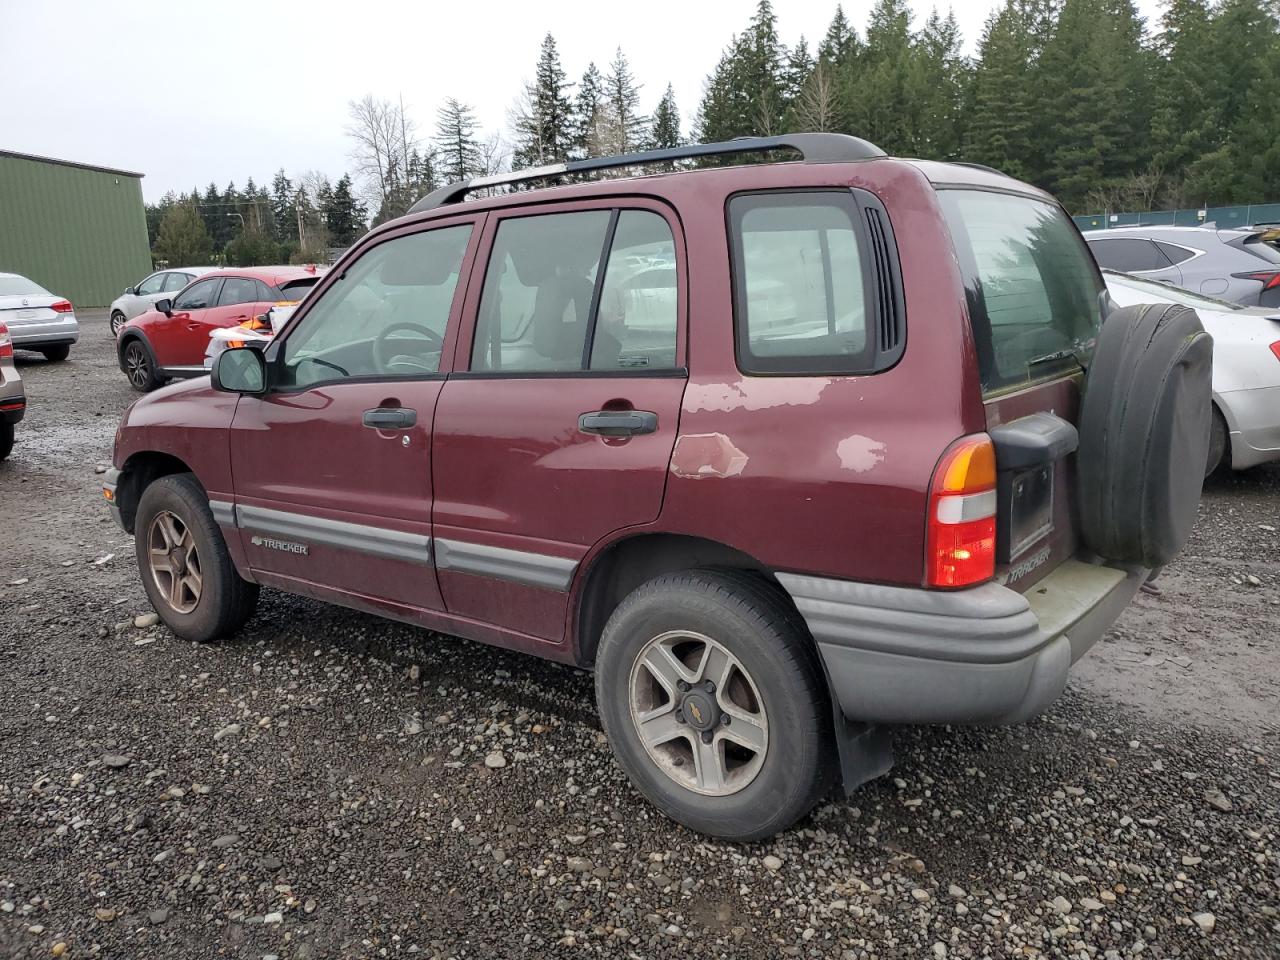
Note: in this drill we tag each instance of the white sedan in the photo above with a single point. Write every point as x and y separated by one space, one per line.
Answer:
1246 369
37 319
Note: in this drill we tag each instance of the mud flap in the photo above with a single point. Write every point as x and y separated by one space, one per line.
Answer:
866 751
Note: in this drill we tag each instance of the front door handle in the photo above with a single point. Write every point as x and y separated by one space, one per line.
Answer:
390 418
618 423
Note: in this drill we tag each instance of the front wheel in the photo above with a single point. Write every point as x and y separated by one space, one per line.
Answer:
117 321
140 367
714 702
184 563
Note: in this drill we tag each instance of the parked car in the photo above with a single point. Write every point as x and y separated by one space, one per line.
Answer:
139 298
1246 369
37 319
774 526
1240 265
13 398
257 331
169 340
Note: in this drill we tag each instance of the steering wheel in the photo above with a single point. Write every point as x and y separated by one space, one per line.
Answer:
386 360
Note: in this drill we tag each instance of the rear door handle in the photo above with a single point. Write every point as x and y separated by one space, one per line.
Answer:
618 423
390 418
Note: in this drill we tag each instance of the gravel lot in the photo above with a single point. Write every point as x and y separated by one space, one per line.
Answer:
331 785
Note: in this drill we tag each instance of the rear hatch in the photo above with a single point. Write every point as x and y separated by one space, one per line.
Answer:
1035 300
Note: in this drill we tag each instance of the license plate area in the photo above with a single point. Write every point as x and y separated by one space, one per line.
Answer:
1025 499
25 315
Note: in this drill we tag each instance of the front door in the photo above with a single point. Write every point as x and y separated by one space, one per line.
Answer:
333 464
172 336
559 432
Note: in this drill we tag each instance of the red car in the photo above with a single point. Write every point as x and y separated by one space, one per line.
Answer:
788 453
170 339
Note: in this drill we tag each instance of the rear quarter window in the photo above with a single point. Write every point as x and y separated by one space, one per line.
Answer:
1034 293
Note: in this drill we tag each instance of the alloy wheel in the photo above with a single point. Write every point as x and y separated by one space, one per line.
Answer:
698 713
117 321
175 562
137 365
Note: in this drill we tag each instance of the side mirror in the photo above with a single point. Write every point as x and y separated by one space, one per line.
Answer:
165 306
128 292
240 370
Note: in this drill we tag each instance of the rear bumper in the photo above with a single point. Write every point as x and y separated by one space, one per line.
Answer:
46 333
12 408
1254 416
986 655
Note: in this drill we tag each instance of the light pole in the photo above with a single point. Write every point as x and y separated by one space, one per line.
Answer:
241 216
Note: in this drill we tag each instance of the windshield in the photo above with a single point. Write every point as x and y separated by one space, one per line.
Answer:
1034 293
21 287
1166 291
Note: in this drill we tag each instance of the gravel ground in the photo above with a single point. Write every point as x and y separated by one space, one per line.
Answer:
332 785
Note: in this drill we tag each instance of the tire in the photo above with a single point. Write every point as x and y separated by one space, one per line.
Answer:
118 320
224 601
56 354
776 670
6 439
139 366
1219 455
1144 433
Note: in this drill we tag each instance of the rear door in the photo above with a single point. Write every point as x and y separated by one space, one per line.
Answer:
558 428
333 466
1035 301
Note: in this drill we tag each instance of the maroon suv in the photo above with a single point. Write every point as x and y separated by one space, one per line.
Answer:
787 452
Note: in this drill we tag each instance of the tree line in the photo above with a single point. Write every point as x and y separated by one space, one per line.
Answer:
1081 97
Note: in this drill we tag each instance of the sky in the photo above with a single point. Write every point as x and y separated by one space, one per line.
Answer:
192 93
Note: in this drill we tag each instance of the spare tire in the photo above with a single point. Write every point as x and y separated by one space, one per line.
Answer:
1144 433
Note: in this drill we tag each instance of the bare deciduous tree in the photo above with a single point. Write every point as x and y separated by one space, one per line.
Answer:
816 105
384 139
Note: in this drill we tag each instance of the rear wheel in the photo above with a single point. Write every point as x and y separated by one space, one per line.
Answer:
117 321
1217 444
6 439
140 367
711 695
58 353
184 563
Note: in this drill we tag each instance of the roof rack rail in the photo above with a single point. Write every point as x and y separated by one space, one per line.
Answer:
812 147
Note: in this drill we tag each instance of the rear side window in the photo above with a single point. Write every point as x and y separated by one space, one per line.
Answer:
800 283
176 281
1175 254
1128 255
297 289
587 290
1034 293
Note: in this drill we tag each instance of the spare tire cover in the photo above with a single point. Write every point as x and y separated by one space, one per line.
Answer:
1144 433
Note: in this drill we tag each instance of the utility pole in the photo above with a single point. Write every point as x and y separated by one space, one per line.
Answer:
297 205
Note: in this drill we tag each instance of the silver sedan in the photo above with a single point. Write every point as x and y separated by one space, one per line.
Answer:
37 319
140 297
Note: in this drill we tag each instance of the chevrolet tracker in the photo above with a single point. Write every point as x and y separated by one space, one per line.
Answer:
786 452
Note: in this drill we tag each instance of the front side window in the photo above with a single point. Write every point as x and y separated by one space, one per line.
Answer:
237 290
198 295
153 284
799 294
385 316
1034 293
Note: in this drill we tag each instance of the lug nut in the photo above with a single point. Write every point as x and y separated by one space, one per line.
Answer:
725 719
709 687
706 736
682 686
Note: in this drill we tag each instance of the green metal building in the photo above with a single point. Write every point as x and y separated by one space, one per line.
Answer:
78 230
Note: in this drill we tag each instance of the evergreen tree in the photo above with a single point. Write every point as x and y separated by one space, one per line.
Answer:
281 205
1001 126
799 65
627 127
182 239
665 132
882 93
841 44
456 138
544 121
343 214
589 115
745 95
946 80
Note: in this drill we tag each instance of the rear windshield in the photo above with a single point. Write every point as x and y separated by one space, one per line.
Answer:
1035 294
21 287
297 289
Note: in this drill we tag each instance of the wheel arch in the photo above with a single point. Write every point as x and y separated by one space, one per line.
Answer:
127 336
140 471
630 561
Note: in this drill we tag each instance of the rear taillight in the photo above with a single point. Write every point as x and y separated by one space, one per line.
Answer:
61 306
1275 348
1270 279
962 515
6 342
